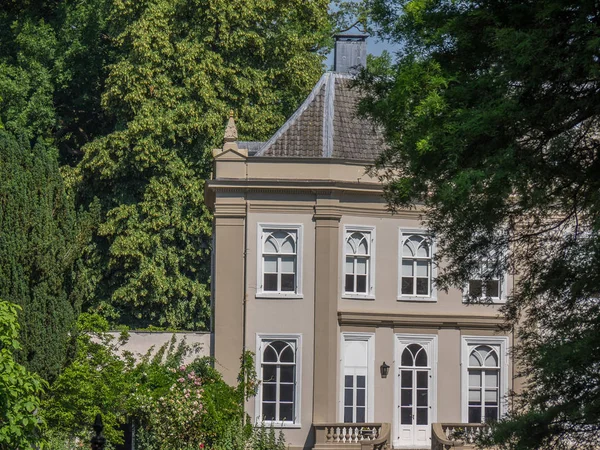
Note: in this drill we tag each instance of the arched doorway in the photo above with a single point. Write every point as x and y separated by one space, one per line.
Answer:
415 391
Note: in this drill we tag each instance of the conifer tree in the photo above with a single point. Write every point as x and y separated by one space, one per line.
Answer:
36 251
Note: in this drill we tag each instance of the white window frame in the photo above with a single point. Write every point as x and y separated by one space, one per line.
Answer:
370 403
260 338
266 227
503 286
403 234
473 341
370 294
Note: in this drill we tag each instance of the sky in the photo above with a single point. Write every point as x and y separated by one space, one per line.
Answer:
374 45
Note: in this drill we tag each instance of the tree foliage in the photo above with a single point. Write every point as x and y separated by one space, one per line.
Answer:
20 423
132 95
173 405
97 381
492 113
180 66
41 60
53 61
37 251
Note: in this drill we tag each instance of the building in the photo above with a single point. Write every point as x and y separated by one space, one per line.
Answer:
334 294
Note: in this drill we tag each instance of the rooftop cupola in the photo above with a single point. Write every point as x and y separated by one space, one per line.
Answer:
350 54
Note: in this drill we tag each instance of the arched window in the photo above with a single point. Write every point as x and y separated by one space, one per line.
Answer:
414 355
278 387
486 285
484 384
358 263
279 264
416 266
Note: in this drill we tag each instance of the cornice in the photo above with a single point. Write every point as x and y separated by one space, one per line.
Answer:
280 207
316 186
229 210
373 319
293 207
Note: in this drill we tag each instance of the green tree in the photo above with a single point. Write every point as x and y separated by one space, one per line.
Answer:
492 112
48 89
181 66
53 58
134 93
97 381
37 250
20 390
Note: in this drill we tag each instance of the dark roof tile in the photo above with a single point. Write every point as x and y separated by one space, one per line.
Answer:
327 126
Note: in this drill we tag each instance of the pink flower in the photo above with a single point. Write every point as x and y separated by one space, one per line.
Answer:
201 445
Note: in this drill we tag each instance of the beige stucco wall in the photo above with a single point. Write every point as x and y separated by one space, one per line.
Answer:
285 316
324 197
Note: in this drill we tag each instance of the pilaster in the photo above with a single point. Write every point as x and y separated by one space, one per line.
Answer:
228 287
327 225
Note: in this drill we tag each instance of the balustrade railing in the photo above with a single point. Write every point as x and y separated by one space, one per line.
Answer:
369 435
456 436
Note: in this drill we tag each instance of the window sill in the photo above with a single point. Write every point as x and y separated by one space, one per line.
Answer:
274 424
278 295
358 297
408 298
484 301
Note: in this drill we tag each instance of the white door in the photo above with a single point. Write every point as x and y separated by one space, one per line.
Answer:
414 389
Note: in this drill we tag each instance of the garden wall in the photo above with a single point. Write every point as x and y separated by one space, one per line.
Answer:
141 341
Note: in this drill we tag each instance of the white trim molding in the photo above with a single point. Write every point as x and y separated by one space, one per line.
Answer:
501 344
296 229
369 338
296 339
371 260
403 235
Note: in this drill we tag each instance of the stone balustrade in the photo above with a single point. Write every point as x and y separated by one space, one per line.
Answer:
352 436
456 436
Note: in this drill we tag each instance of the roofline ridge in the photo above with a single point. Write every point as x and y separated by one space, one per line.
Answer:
345 75
328 114
326 76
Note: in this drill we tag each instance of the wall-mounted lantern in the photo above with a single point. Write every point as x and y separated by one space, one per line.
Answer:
384 369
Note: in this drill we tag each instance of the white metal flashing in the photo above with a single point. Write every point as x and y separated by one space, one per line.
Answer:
327 80
328 111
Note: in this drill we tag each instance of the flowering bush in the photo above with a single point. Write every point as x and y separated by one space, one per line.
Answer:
172 406
188 407
175 419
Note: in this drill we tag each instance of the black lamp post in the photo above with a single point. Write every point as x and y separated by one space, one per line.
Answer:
98 441
384 369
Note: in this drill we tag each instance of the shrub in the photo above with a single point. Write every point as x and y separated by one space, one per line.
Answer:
265 438
97 381
172 405
20 390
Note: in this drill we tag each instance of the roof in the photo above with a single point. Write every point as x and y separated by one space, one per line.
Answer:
326 125
252 146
